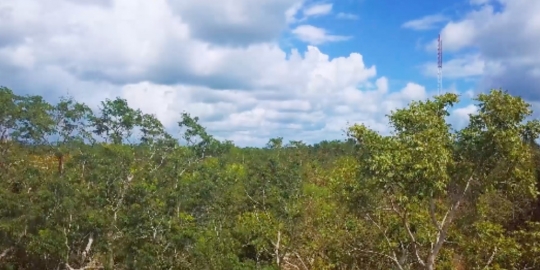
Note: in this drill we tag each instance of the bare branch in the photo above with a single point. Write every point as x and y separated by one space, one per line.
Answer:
445 225
302 261
122 195
159 165
251 198
276 250
491 258
415 243
88 247
66 243
405 219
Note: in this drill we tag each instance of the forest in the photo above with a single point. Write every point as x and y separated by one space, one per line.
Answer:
112 189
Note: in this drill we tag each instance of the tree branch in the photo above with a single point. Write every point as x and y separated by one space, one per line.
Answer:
302 261
276 250
88 247
445 224
381 231
405 219
491 258
393 257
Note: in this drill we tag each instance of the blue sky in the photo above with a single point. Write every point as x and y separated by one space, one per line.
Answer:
253 70
378 31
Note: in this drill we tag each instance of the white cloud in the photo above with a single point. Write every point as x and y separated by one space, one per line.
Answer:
156 56
236 22
505 35
302 11
479 2
458 35
426 22
317 10
292 11
414 91
464 66
459 117
455 36
347 16
315 35
466 111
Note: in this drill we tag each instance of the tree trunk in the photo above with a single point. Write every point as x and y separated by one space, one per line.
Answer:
430 262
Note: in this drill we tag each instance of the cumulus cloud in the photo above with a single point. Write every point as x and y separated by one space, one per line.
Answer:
505 33
234 22
315 95
163 58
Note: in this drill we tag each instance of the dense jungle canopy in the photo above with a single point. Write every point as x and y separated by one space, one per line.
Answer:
111 189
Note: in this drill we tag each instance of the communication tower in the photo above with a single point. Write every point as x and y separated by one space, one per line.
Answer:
439 64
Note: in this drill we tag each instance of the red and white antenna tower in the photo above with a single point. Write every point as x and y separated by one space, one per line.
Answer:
439 65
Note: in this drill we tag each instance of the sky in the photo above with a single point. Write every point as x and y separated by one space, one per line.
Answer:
254 70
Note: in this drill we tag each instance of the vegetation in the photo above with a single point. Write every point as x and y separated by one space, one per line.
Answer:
113 190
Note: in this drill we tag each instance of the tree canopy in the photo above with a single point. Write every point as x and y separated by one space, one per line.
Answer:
112 189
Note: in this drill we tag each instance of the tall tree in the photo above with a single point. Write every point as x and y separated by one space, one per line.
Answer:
428 171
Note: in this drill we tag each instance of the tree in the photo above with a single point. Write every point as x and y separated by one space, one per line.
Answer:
428 171
275 143
116 120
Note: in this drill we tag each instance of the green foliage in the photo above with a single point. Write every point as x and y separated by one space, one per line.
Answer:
428 171
113 190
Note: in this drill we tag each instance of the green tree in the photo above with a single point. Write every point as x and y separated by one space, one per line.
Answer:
116 121
428 172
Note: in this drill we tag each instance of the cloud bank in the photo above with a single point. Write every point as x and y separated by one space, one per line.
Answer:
220 61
